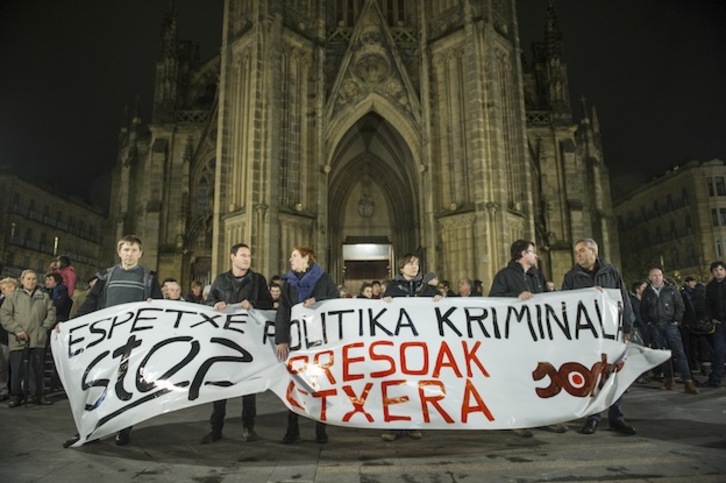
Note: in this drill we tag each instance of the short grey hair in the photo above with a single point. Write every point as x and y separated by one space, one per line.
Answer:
589 242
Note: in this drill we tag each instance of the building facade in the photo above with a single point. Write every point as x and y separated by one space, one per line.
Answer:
676 221
39 224
364 129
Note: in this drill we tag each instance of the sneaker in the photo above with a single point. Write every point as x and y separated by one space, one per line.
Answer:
123 437
620 426
249 435
523 433
211 437
590 426
690 387
668 385
390 436
555 428
414 434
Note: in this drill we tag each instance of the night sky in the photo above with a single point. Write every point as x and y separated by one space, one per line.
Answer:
654 69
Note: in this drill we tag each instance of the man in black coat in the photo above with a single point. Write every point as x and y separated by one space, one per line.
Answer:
241 287
521 279
662 308
592 271
716 311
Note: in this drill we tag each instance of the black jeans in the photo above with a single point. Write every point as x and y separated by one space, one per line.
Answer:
249 411
27 371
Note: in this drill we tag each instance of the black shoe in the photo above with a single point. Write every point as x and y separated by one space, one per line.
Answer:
590 426
42 401
249 435
291 438
211 437
15 401
620 426
71 441
123 437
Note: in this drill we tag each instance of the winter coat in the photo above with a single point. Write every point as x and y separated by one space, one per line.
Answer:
324 289
400 287
32 313
664 308
512 280
96 298
252 287
605 276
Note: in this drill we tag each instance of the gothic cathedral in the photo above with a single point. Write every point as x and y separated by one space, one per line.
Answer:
364 129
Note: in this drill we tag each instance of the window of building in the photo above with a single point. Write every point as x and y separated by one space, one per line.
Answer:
658 234
673 229
689 227
684 196
28 234
71 222
722 212
709 182
720 186
669 202
675 258
31 206
656 211
718 248
714 217
10 259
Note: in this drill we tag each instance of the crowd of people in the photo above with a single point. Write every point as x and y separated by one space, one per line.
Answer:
689 321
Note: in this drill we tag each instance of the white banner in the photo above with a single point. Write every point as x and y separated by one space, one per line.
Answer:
459 363
131 362
462 363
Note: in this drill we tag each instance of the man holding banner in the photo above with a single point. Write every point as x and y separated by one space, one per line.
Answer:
592 271
123 283
240 287
521 279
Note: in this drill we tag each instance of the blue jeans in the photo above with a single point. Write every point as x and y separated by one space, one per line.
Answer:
615 412
668 336
718 339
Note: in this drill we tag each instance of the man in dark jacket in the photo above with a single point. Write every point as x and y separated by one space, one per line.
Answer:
521 279
716 311
662 308
592 271
241 287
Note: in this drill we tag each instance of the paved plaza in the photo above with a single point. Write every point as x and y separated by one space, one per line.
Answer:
680 438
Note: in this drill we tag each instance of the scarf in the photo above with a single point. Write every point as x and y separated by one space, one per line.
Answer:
304 285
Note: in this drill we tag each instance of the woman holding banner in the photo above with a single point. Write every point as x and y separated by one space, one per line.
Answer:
306 283
408 283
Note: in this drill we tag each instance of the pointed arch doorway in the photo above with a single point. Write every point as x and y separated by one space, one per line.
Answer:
372 209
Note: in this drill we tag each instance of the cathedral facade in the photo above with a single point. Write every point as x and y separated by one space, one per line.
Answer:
364 129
